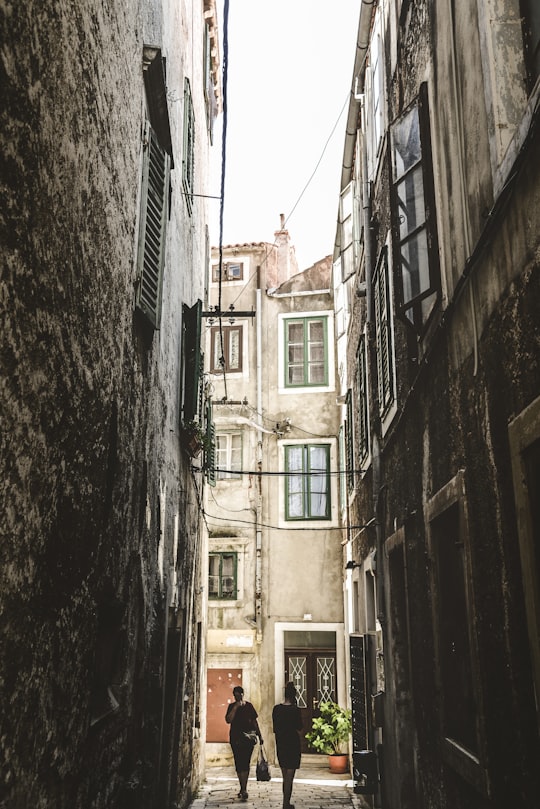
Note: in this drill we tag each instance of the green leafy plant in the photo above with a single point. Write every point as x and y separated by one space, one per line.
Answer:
197 438
330 731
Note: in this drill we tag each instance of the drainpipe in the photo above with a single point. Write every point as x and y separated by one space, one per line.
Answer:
258 516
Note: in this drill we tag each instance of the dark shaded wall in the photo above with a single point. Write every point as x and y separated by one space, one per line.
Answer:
459 385
86 451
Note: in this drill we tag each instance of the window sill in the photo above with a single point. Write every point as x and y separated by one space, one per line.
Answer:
465 763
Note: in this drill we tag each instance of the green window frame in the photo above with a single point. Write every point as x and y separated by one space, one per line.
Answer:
306 352
222 575
152 227
307 482
188 152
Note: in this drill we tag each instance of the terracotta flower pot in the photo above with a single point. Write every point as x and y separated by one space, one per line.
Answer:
338 762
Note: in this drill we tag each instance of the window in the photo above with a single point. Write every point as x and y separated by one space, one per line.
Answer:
228 356
306 352
362 390
229 271
209 91
530 17
228 455
307 482
346 232
456 653
188 147
524 436
349 440
375 94
453 631
222 576
384 334
414 214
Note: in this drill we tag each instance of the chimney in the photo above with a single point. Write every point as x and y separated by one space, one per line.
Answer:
286 257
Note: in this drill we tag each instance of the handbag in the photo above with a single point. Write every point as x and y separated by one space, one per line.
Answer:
250 737
262 770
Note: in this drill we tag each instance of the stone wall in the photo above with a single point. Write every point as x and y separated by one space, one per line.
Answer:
96 492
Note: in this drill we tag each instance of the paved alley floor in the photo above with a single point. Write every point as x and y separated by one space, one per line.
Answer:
313 788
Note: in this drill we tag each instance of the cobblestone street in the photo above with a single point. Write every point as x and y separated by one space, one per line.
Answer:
313 788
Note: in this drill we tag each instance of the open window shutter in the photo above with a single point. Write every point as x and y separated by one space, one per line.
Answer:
192 359
154 204
210 450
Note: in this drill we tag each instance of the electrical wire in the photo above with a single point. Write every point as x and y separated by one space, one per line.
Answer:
288 217
262 474
223 165
274 527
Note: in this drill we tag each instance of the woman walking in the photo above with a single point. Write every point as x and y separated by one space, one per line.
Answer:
242 717
287 722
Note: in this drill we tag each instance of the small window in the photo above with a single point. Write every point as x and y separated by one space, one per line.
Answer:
228 455
530 18
307 482
226 349
306 352
346 232
414 214
230 272
460 709
222 575
189 147
209 90
349 440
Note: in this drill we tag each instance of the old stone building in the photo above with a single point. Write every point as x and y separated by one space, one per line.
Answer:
437 289
275 607
107 113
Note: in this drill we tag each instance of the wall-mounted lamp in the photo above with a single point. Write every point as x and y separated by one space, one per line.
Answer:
351 565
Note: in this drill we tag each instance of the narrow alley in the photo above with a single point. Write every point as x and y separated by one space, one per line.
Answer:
314 788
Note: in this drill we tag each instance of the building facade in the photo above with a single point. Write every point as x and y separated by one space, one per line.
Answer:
106 129
437 289
274 579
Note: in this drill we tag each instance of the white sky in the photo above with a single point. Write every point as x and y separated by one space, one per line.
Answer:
289 77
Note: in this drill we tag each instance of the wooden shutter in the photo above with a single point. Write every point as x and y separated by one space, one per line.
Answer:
192 359
359 694
154 206
210 449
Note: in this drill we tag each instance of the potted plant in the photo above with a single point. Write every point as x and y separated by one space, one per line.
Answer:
195 437
330 734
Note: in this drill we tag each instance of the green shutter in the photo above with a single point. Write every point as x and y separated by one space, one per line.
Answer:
188 153
210 449
154 206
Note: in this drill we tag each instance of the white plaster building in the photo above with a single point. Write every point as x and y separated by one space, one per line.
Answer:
275 581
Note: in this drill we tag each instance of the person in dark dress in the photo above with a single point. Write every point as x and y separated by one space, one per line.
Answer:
287 722
242 717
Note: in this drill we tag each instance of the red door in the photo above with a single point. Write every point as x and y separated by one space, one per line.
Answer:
314 674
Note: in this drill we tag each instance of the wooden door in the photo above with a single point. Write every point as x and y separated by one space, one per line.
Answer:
314 674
